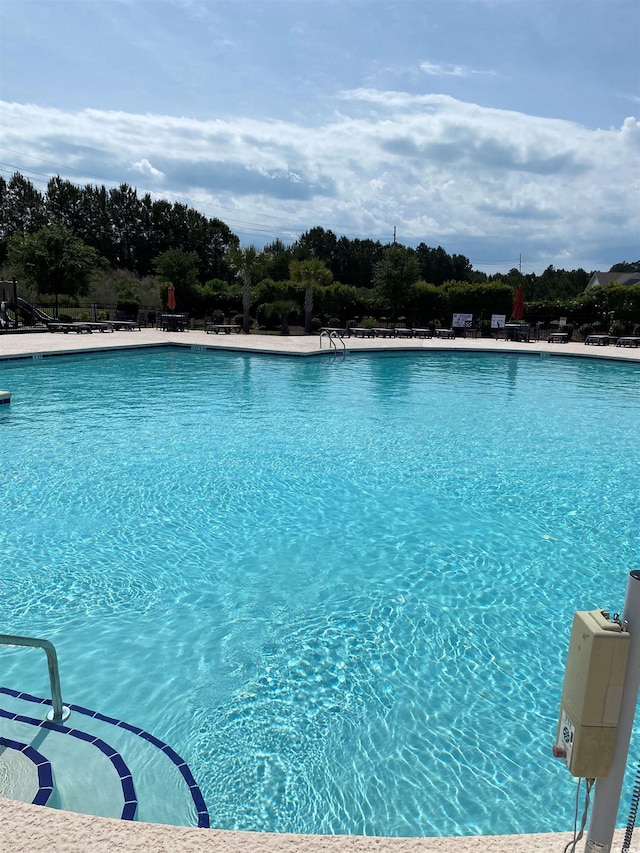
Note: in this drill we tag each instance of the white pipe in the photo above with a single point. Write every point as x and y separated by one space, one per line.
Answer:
607 790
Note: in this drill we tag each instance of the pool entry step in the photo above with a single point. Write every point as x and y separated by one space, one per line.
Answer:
93 764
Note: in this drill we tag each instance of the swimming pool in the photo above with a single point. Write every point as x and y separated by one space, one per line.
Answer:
341 588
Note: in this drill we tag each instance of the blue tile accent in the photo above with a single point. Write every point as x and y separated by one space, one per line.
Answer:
152 739
83 735
173 755
120 765
135 729
129 811
56 727
104 747
20 718
187 775
45 775
116 759
98 716
128 789
14 744
7 714
41 797
30 698
85 711
198 799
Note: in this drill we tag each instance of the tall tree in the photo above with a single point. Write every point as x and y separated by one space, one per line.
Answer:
125 213
277 260
316 243
437 266
394 276
355 261
63 204
178 267
54 261
23 210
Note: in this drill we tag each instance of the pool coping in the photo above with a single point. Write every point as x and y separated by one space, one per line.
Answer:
26 828
14 347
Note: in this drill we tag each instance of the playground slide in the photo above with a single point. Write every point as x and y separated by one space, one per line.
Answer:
32 315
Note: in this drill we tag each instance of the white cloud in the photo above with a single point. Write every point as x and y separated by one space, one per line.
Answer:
145 168
441 170
435 69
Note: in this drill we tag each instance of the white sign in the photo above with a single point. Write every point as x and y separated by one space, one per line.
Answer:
498 321
462 321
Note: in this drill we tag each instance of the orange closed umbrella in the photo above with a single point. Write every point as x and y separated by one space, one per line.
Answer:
518 305
171 298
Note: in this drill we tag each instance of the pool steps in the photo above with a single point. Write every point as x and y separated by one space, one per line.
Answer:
93 764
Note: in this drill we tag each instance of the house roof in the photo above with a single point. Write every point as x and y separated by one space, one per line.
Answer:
602 279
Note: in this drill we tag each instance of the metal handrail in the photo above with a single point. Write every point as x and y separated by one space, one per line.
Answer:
332 335
59 712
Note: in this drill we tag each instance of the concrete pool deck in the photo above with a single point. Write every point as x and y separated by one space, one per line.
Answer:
16 345
36 829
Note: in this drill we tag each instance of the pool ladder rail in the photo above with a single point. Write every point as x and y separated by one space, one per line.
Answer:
59 712
332 336
98 765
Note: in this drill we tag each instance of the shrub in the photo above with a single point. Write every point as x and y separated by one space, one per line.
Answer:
587 329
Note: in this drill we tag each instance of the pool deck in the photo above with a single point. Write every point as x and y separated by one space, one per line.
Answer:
36 829
48 343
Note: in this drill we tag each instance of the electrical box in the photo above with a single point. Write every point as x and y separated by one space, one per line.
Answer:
591 694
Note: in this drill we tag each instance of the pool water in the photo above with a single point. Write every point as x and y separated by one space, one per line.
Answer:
340 588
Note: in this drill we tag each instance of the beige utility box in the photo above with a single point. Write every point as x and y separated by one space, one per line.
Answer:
591 694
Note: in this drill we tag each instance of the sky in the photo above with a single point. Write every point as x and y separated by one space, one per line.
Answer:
503 130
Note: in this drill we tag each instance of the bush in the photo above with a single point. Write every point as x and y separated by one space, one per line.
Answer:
368 323
128 308
617 328
587 329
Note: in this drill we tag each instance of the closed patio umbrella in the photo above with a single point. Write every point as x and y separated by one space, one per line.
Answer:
518 305
171 298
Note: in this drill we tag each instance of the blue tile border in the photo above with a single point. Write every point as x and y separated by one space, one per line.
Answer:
119 765
126 780
45 774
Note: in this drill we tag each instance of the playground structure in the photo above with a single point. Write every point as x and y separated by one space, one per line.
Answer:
18 315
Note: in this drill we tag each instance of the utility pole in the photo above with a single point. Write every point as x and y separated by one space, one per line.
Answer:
394 233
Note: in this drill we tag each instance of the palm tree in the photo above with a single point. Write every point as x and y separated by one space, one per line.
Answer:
309 274
247 264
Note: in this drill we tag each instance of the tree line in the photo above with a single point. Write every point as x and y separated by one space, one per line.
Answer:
114 245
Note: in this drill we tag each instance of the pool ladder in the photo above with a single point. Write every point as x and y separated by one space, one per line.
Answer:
58 712
332 337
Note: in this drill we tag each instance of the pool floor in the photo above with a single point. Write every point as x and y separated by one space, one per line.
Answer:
342 589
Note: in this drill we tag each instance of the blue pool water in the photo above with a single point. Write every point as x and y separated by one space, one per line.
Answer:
342 589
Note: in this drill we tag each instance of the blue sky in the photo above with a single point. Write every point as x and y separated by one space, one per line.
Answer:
498 129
